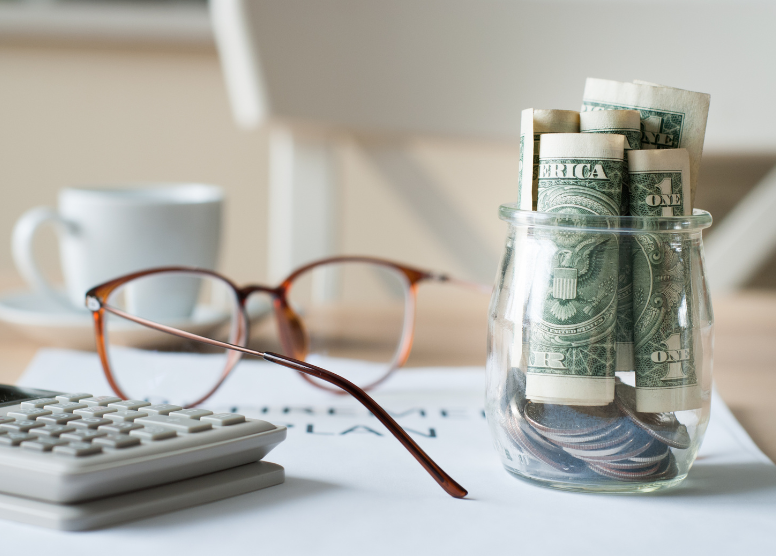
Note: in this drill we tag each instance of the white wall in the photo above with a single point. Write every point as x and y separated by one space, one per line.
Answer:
97 114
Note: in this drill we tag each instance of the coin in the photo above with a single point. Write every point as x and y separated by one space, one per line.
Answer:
663 426
668 468
632 447
615 437
570 420
654 454
552 456
516 416
622 475
579 438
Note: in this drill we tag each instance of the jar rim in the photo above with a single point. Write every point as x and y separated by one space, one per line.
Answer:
700 220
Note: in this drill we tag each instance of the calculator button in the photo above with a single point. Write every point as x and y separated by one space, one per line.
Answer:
21 425
223 419
29 413
191 413
153 432
161 409
124 416
119 428
15 438
100 400
51 430
116 441
77 449
43 443
83 435
58 418
90 422
72 397
64 407
94 411
40 402
129 405
6 420
177 424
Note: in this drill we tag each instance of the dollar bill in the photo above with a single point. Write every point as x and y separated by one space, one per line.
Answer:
664 307
628 124
572 302
670 118
533 124
660 183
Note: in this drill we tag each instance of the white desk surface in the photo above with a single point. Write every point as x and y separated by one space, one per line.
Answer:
352 489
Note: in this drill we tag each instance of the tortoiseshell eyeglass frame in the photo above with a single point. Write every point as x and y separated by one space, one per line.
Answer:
293 340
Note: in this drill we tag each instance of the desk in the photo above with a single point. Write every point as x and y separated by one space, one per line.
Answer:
744 354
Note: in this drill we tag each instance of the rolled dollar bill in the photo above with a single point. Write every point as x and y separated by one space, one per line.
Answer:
572 303
627 123
660 183
623 122
671 118
533 124
665 313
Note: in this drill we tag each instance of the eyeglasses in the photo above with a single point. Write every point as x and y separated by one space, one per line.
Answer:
174 334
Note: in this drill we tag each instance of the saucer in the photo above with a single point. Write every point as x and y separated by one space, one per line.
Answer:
47 322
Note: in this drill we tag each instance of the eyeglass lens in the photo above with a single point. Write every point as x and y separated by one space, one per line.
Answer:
354 318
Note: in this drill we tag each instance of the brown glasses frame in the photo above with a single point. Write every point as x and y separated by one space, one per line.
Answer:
292 338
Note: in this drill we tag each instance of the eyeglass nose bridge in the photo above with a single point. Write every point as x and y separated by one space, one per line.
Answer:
293 334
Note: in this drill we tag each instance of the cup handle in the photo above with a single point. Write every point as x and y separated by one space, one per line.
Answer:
21 244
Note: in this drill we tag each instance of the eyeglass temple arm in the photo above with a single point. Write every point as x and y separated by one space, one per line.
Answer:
443 479
437 473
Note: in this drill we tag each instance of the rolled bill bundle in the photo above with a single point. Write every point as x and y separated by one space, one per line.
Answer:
627 123
572 303
623 122
533 124
666 339
671 118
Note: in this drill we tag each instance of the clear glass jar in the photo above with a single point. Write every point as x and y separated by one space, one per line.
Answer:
600 346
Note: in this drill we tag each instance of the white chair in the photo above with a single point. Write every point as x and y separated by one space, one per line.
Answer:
466 68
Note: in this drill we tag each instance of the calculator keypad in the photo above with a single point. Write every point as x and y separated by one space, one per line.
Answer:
58 418
122 416
81 425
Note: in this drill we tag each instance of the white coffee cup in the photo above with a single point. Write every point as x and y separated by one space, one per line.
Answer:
105 233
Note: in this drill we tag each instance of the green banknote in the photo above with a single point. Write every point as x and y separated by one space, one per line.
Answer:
664 306
533 124
670 118
572 306
628 124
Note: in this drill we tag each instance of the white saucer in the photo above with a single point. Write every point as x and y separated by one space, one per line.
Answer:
56 324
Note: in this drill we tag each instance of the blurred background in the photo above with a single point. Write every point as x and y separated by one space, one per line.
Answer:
111 92
407 112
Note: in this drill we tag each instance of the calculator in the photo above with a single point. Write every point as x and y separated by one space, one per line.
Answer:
77 456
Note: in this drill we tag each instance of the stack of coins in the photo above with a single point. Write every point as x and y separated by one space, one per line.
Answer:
612 441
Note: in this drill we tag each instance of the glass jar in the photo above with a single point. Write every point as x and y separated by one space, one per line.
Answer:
600 346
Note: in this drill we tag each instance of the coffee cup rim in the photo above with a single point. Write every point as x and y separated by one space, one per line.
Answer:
148 193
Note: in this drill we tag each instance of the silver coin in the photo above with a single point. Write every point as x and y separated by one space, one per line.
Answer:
668 468
516 417
570 420
555 458
615 437
580 438
654 454
632 447
623 475
663 426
